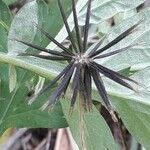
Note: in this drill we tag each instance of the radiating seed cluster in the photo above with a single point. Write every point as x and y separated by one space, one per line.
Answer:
82 67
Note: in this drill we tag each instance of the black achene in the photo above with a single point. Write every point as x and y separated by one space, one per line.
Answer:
82 68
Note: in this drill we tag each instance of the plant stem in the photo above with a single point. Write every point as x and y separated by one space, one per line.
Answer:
118 123
81 112
31 64
81 124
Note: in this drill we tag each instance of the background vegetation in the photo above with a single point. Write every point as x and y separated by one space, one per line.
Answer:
22 77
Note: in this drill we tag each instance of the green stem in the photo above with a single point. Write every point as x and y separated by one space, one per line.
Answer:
81 112
29 64
81 123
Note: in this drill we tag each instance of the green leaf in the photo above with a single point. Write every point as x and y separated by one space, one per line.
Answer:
38 12
3 39
22 27
101 11
97 134
124 15
133 108
4 86
5 15
15 112
136 118
9 2
142 77
105 9
136 57
50 19
5 21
